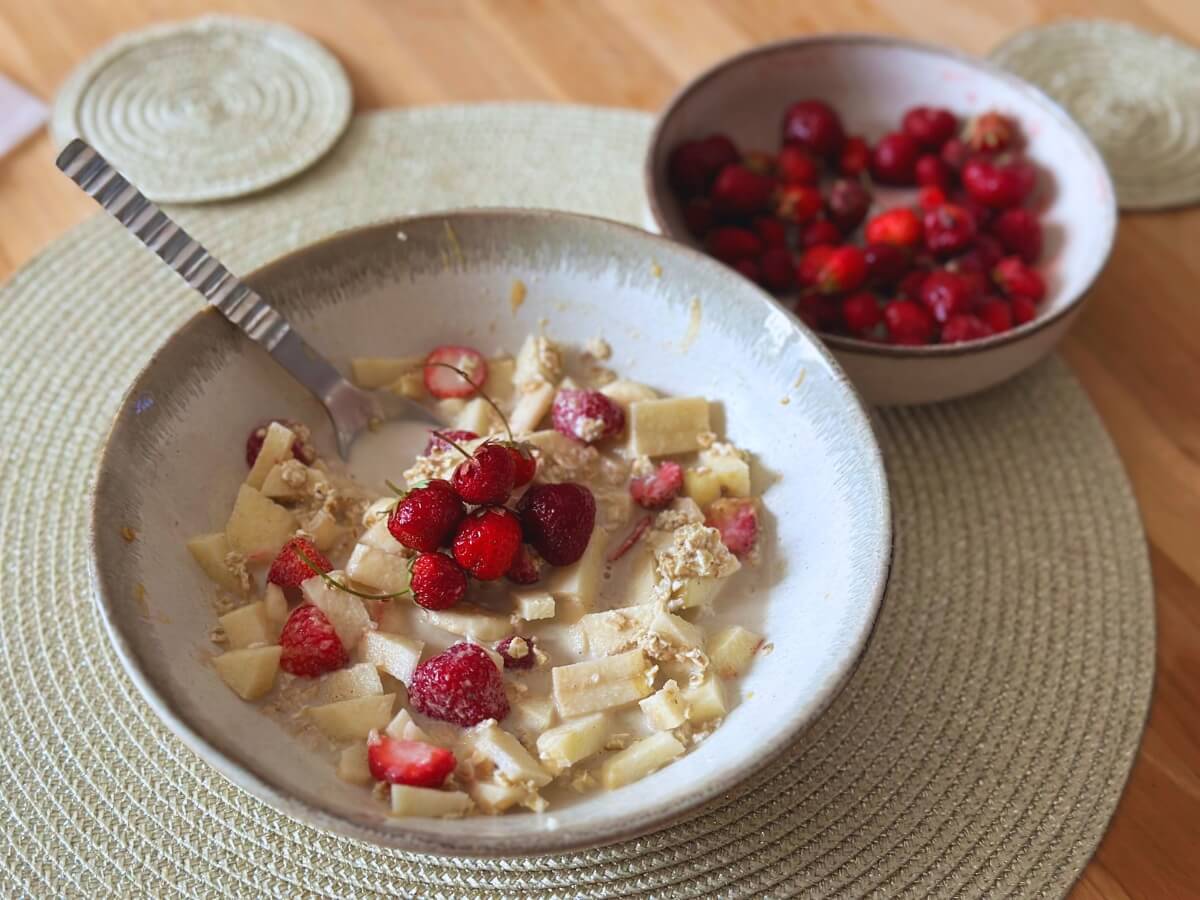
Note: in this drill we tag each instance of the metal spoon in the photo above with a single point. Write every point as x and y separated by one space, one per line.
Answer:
350 409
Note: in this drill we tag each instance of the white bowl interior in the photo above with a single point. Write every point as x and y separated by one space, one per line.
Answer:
174 461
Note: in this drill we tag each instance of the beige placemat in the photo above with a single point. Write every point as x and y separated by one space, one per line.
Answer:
207 108
1137 94
978 751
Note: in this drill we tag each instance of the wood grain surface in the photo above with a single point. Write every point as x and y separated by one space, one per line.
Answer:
1137 346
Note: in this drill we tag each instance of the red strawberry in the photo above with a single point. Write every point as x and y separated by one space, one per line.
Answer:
886 264
990 132
524 463
438 582
949 229
730 244
894 160
558 520
517 652
414 763
525 568
998 184
821 231
426 517
929 126
487 477
289 570
301 449
798 203
908 322
442 382
660 487
488 541
945 294
310 645
586 416
460 685
1019 232
740 192
861 313
855 157
964 327
814 125
699 216
776 269
847 204
899 226
437 443
770 231
996 314
1024 310
1018 280
737 520
796 166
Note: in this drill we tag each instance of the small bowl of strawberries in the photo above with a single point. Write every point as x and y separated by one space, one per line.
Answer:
936 220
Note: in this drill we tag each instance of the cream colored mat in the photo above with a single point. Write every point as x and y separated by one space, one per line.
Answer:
978 751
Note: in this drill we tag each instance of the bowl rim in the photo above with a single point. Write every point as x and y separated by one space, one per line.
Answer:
650 182
482 846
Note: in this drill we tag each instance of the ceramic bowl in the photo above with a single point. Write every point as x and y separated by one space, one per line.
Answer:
174 459
871 81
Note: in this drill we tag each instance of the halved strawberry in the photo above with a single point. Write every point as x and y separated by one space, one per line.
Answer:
737 520
414 763
660 487
442 382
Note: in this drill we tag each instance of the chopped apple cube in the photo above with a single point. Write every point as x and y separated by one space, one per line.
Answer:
209 551
403 728
697 592
394 653
477 416
377 512
277 446
626 393
494 797
702 485
643 575
346 684
372 372
532 715
349 720
731 649
353 766
345 611
377 537
574 741
533 605
597 684
277 487
257 526
382 571
326 532
428 802
507 754
639 759
729 468
665 709
676 631
531 407
499 384
705 701
606 633
667 426
411 385
248 625
577 585
276 605
249 673
470 622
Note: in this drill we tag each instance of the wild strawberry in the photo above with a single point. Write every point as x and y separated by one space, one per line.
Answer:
908 322
442 382
437 442
886 264
748 268
929 126
309 644
945 294
797 203
586 416
460 685
289 570
964 327
438 582
998 185
990 132
821 231
557 520
517 652
899 226
996 314
855 157
1018 280
1019 232
770 231
845 270
982 257
812 263
776 269
740 192
910 285
814 125
977 284
1023 310
930 197
524 463
660 487
525 568
487 477
301 448
426 517
796 166
932 171
692 165
699 216
847 204
759 161
488 542
729 244
861 313
948 230
894 160
818 311
737 521
983 215
414 763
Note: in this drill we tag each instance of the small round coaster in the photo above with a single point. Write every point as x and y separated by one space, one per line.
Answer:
206 109
1137 94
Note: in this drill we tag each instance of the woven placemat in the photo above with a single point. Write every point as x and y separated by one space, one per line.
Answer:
208 108
978 751
1137 94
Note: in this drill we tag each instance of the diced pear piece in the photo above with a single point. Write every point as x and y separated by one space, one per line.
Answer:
494 797
626 393
276 488
639 759
702 485
705 701
403 728
276 605
499 384
377 537
361 680
325 530
643 575
447 410
345 611
597 684
697 592
248 625
249 673
349 720
731 649
385 572
605 633
477 416
577 585
410 384
353 766
508 756
533 605
573 741
428 802
670 425
531 407
377 512
257 526
532 715
676 631
277 446
551 442
470 622
731 471
665 709
373 372
209 551
394 653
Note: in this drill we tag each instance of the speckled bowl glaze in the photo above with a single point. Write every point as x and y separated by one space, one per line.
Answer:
174 460
871 81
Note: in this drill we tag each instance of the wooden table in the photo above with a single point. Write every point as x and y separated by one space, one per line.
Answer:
1137 347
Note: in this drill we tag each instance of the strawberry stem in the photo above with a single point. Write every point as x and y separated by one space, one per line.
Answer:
392 487
634 536
333 582
479 388
441 436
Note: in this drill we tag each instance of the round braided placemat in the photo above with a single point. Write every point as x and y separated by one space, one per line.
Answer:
1136 94
208 108
978 751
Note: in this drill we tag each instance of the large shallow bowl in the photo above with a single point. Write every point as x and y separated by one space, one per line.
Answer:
174 459
871 81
